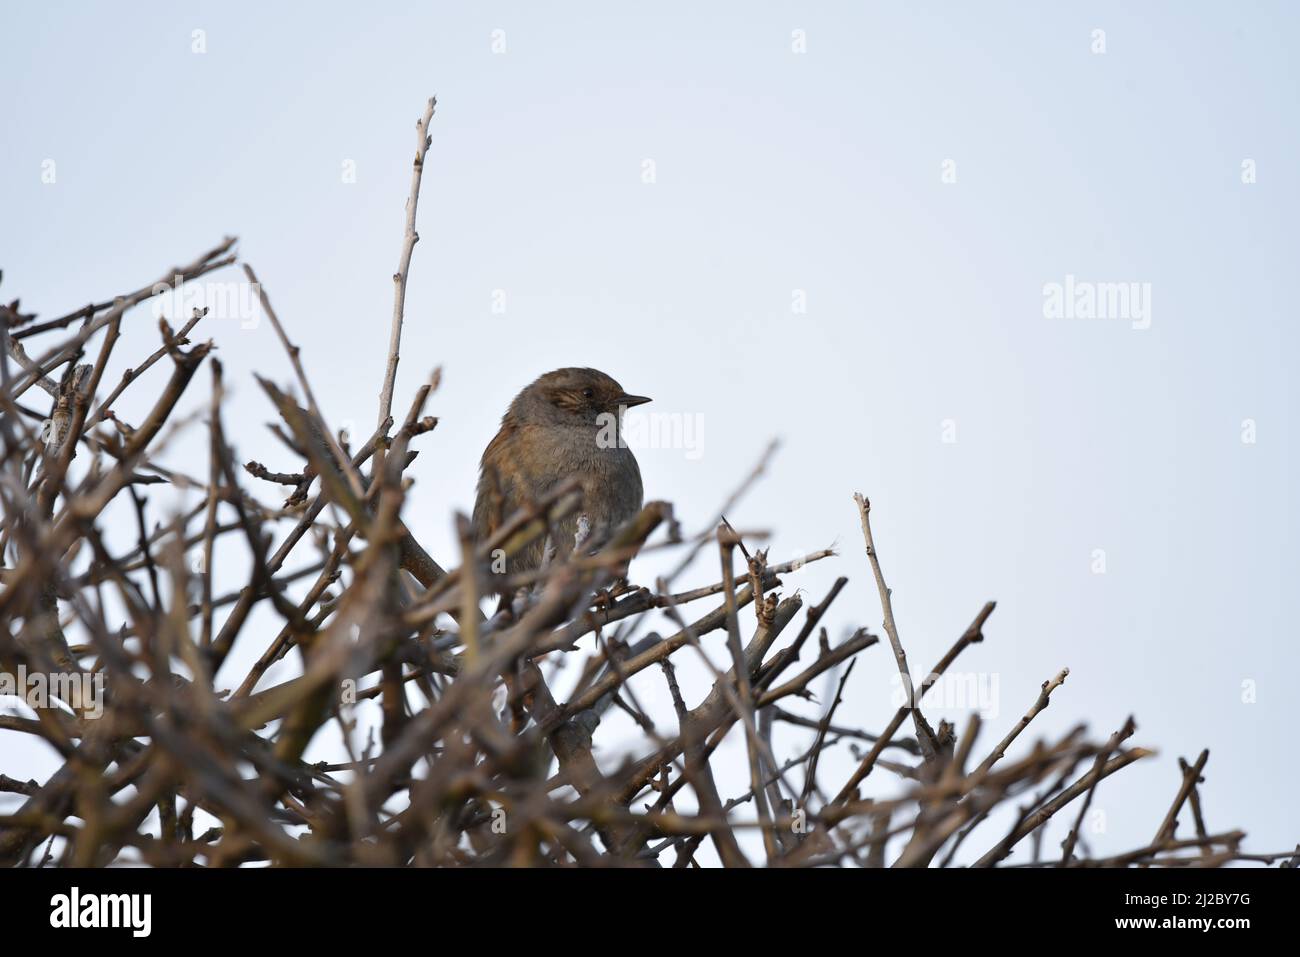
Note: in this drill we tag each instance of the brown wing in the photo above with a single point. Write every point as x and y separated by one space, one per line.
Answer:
491 499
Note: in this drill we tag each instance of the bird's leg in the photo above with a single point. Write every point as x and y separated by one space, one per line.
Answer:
548 553
606 596
616 589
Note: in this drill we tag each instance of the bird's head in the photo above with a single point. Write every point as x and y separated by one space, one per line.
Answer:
573 396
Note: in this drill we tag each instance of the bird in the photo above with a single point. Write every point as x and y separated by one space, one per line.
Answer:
566 423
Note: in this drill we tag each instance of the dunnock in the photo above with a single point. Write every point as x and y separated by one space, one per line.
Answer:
566 423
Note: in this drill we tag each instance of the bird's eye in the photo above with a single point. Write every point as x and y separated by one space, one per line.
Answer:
588 393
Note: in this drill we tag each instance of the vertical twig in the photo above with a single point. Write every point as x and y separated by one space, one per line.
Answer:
924 735
409 239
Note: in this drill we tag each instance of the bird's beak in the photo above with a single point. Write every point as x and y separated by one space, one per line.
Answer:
627 401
